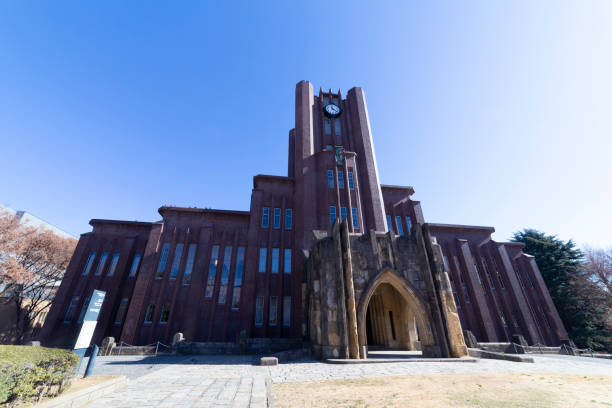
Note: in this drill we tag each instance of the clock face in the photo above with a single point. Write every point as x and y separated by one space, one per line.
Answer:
332 110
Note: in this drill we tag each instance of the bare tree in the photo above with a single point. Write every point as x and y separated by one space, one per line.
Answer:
32 263
598 263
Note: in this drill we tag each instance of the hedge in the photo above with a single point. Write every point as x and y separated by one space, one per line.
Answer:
29 373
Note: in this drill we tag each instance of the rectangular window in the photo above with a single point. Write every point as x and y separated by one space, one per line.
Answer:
400 227
503 319
327 124
238 278
189 264
486 266
236 299
409 225
101 264
263 252
273 310
340 179
389 223
165 314
351 181
265 217
355 218
178 252
277 218
212 271
343 213
275 256
90 259
288 218
332 214
71 307
259 310
501 281
337 127
150 313
113 265
225 271
162 261
446 266
135 264
286 311
330 178
121 311
84 307
287 265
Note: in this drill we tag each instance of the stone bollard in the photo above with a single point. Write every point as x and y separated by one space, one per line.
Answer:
177 338
33 343
107 346
268 361
470 339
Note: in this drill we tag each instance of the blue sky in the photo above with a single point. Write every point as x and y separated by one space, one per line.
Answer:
497 113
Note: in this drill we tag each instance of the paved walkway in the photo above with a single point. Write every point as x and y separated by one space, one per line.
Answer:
234 381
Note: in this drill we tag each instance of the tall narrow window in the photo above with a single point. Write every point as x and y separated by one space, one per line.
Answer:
286 311
164 315
162 261
330 178
486 266
409 225
287 263
84 307
71 308
343 213
265 217
149 313
259 310
89 263
400 227
340 179
212 271
113 265
178 252
446 266
277 218
503 318
225 271
337 128
332 214
238 278
121 311
273 310
263 252
288 218
355 218
389 223
275 260
327 124
189 264
351 181
501 281
135 264
101 264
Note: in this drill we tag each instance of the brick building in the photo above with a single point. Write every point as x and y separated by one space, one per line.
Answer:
326 253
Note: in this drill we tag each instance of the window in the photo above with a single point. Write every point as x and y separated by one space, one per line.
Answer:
400 227
149 314
265 217
212 271
238 278
503 319
189 264
121 311
330 178
343 213
329 147
277 218
389 223
501 281
273 310
446 266
355 218
225 270
327 124
340 179
287 264
162 261
178 252
165 314
84 307
288 218
101 264
113 265
135 264
351 181
71 307
90 260
259 310
287 311
275 256
263 252
332 214
337 127
486 266
408 225
457 304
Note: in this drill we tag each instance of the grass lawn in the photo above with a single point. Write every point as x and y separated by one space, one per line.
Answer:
508 390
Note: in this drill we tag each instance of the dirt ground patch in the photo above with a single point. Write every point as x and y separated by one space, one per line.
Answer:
508 390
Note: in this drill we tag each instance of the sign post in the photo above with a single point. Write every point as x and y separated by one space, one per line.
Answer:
90 320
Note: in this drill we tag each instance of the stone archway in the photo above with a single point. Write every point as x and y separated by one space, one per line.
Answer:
392 315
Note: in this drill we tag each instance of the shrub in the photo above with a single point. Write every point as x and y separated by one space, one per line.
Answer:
28 373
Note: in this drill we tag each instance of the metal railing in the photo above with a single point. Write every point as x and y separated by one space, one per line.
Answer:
159 347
